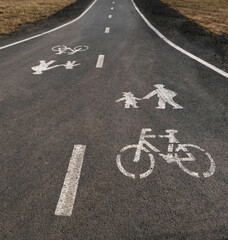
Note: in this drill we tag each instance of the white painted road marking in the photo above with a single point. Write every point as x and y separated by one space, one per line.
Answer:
113 2
130 100
173 149
52 30
112 8
164 96
107 30
109 16
45 66
67 197
100 61
62 49
223 73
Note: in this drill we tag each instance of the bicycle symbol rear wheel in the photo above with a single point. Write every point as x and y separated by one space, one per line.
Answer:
132 175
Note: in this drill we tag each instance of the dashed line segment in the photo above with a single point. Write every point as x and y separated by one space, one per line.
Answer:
67 197
100 61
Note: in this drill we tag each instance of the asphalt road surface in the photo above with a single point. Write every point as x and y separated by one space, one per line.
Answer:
60 121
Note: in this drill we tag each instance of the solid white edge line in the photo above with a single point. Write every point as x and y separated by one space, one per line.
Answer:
100 61
52 30
212 67
69 190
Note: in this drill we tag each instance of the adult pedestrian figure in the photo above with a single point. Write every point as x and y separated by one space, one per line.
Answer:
165 96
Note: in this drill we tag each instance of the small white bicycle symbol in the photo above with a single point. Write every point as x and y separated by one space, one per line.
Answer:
61 49
170 157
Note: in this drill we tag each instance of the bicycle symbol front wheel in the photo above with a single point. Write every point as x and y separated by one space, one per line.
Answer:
184 147
132 175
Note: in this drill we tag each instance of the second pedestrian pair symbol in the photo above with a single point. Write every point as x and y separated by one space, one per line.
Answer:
164 96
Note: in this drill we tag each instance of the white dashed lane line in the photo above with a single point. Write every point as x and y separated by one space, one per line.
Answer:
107 30
109 16
100 61
67 197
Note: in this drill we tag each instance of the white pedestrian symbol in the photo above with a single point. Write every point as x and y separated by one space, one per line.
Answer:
164 96
130 100
45 66
61 49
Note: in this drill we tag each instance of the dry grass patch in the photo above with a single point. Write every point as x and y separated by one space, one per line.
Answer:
211 14
13 13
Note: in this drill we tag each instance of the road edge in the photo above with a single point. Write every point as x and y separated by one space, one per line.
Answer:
173 45
49 31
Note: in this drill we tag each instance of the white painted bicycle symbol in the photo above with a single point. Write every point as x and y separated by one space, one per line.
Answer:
174 149
61 49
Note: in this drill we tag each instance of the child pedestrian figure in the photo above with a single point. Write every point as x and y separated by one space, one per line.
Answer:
130 100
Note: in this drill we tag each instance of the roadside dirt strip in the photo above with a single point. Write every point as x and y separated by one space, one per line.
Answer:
111 131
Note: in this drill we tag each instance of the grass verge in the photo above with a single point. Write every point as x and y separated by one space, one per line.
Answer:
210 14
14 13
48 21
188 33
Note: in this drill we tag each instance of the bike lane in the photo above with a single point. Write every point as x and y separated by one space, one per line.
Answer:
109 204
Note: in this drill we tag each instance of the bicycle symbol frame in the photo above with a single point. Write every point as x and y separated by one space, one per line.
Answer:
170 157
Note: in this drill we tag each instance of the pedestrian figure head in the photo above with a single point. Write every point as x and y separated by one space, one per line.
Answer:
128 94
159 85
